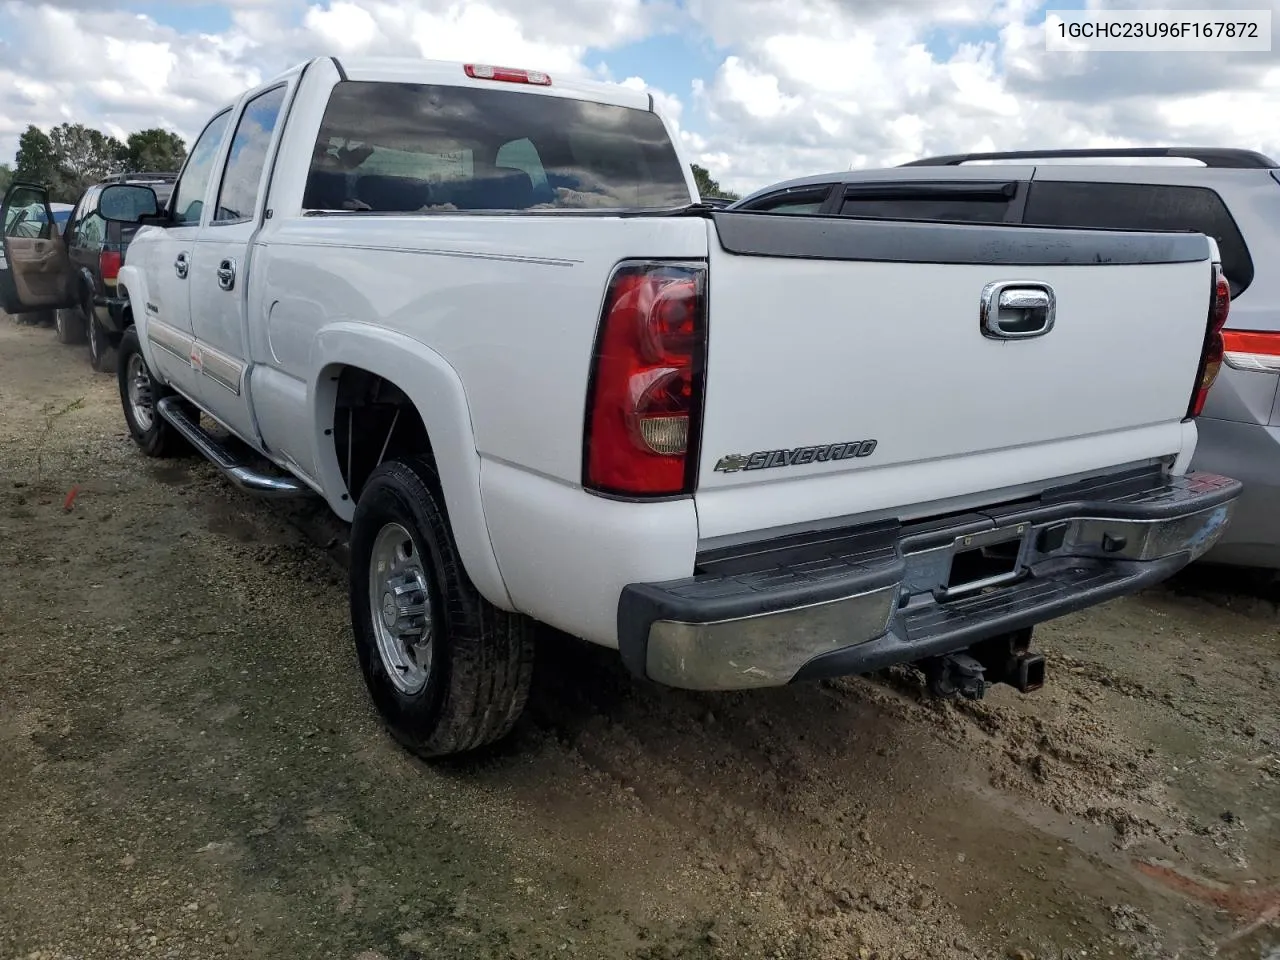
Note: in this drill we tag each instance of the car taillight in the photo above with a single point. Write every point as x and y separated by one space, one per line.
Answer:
109 264
645 395
1211 353
480 71
1252 350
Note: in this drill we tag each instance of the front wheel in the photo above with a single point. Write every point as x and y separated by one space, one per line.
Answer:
139 394
447 670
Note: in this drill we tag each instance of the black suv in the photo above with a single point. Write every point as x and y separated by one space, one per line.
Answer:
96 250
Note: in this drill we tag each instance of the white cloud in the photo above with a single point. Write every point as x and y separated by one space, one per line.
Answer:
790 87
826 85
345 27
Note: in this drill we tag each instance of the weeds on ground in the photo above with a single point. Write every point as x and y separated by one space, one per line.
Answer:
51 421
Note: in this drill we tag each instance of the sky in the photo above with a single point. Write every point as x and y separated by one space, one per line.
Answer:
760 90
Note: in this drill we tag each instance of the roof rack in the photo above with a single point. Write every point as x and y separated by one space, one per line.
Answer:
1209 156
140 175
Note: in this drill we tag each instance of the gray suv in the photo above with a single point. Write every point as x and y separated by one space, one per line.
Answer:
1230 195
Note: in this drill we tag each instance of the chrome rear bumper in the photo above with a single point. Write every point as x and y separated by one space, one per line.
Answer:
860 599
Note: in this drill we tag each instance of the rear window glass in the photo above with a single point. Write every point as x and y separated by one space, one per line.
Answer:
926 208
416 148
1144 206
801 201
810 206
985 201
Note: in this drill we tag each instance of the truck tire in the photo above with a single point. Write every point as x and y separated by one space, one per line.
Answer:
68 325
139 393
102 351
447 670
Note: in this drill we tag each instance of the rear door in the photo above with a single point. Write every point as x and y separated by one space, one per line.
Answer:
220 261
35 272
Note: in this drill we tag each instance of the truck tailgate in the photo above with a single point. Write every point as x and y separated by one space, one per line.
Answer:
847 361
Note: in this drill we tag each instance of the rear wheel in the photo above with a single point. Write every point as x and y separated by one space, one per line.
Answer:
447 670
102 351
139 394
69 326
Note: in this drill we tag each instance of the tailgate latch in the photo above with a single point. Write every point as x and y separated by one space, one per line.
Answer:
1016 310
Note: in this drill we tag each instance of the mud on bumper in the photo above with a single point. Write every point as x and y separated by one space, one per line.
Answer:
859 599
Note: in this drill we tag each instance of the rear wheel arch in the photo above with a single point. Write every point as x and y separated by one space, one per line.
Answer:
434 422
372 420
84 288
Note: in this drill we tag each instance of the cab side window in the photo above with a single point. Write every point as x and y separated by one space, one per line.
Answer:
247 158
187 203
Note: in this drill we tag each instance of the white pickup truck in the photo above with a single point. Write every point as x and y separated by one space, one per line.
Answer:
482 313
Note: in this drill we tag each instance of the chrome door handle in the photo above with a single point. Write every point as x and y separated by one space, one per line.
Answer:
181 265
1017 310
227 274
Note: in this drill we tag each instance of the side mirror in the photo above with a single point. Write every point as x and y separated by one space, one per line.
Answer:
127 203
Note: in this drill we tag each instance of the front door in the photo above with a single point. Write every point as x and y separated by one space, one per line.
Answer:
220 261
35 272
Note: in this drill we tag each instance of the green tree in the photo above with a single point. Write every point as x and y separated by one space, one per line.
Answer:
37 163
707 187
6 177
154 150
84 156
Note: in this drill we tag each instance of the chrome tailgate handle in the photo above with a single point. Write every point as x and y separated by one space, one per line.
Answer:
1016 310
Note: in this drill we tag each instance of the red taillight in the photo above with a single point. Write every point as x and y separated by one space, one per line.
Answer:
1251 350
646 382
1211 353
480 71
109 264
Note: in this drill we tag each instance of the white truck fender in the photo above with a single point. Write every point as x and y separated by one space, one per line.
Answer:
132 284
437 392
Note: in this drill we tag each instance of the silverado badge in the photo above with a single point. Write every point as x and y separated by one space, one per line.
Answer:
764 459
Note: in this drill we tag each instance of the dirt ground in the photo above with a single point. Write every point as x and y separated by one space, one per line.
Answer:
189 767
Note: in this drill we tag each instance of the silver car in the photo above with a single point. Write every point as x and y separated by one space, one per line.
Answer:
1230 195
